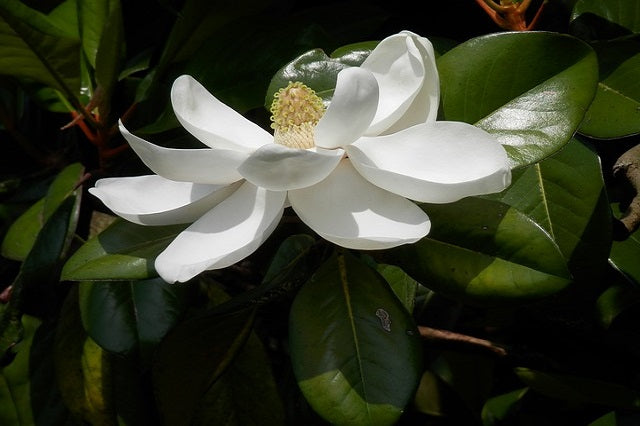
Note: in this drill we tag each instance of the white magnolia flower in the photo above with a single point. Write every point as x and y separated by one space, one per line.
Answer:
349 172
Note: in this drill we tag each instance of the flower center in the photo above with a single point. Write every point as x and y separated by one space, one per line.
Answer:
295 111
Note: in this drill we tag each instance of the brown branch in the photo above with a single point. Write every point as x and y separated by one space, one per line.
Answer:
436 334
628 165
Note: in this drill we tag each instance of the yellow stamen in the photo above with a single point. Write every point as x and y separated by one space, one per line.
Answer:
295 111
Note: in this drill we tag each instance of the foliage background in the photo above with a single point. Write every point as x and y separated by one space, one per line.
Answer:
81 348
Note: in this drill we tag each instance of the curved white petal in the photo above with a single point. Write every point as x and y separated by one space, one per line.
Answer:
154 200
279 168
351 110
228 233
399 68
436 163
424 108
214 166
349 211
212 122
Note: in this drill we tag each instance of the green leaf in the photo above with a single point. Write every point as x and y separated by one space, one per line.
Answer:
23 232
615 111
615 300
83 368
580 389
402 284
598 19
497 409
529 89
192 357
123 251
34 46
317 70
355 350
123 317
484 252
565 195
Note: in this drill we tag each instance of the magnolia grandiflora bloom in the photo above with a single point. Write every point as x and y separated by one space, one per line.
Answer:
351 170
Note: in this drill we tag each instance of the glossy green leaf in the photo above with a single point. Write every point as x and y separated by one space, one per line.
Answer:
35 46
317 70
192 357
615 111
355 350
123 317
615 300
123 251
599 19
529 89
565 195
22 234
232 398
617 418
402 284
484 252
93 17
580 389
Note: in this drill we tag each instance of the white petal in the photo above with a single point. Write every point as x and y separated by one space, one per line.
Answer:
399 68
351 110
228 233
437 163
212 122
215 166
424 108
154 200
347 210
279 168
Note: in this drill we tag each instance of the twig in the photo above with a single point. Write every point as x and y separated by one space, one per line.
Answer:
450 336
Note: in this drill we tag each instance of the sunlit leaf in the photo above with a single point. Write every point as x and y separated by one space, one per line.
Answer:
615 111
565 195
496 255
36 47
123 251
354 348
529 89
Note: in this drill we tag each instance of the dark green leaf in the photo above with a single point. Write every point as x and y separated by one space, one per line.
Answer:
355 350
615 111
123 251
23 232
565 195
484 252
232 399
497 409
625 253
580 389
192 357
615 300
598 19
37 47
402 284
529 89
123 317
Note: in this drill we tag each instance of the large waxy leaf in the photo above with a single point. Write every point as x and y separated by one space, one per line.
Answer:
625 253
530 90
598 19
35 46
22 234
565 195
355 350
126 316
123 251
615 111
192 357
484 252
